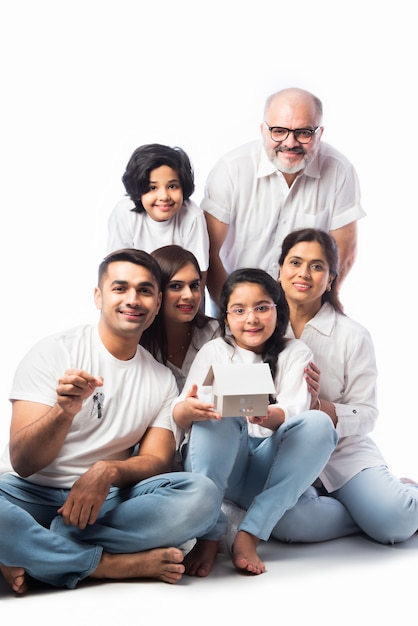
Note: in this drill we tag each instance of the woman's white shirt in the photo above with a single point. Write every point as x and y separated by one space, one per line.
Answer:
344 352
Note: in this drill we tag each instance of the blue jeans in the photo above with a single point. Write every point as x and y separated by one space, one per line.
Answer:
373 502
162 511
264 476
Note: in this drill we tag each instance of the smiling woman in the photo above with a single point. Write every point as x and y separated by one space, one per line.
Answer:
181 328
355 491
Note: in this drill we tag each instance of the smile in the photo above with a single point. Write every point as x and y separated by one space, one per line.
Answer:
291 150
132 313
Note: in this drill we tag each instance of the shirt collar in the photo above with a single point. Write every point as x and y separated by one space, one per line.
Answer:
323 321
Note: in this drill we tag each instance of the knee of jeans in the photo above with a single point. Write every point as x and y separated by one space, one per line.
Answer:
322 427
206 492
394 526
292 527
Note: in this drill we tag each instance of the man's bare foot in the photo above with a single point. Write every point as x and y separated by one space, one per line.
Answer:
15 577
164 564
201 558
244 553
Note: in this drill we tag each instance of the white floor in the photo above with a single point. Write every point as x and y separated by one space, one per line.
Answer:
347 581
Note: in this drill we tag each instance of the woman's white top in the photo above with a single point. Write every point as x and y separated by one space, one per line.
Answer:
344 352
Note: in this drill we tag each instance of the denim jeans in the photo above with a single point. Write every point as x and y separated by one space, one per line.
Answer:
162 511
265 476
373 502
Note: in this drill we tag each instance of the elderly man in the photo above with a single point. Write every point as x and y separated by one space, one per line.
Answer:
259 192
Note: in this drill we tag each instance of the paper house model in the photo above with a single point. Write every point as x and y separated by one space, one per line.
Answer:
240 389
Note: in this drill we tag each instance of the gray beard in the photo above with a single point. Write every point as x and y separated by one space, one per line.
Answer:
291 170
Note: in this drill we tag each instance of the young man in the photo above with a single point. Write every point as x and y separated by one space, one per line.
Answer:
91 445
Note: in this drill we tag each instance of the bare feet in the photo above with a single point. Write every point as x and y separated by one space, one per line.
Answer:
244 553
164 564
15 577
201 558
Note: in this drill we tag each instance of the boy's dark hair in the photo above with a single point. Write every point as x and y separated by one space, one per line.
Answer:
132 255
147 158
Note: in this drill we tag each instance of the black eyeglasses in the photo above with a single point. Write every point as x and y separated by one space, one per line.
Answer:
302 135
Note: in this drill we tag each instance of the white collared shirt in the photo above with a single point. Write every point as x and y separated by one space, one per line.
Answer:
246 191
344 352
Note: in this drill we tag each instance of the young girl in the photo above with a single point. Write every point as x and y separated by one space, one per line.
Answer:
264 475
181 328
159 181
356 491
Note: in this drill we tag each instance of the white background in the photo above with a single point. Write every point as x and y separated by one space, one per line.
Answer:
83 83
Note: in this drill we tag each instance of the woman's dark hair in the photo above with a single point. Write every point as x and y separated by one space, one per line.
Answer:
330 248
147 158
171 259
276 343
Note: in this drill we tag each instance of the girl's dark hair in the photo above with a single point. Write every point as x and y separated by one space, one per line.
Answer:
147 158
276 343
330 248
171 259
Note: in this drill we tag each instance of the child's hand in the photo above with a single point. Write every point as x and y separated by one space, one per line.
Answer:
198 410
257 419
191 409
273 419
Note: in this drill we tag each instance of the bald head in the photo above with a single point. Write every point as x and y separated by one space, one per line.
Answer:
294 99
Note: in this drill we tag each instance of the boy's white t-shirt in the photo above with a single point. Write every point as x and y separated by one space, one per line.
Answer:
187 228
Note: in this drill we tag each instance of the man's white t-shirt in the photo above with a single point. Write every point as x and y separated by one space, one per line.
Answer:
135 394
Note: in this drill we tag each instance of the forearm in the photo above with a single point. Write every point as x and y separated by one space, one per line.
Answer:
217 275
133 470
37 444
344 268
182 416
215 278
328 408
346 239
